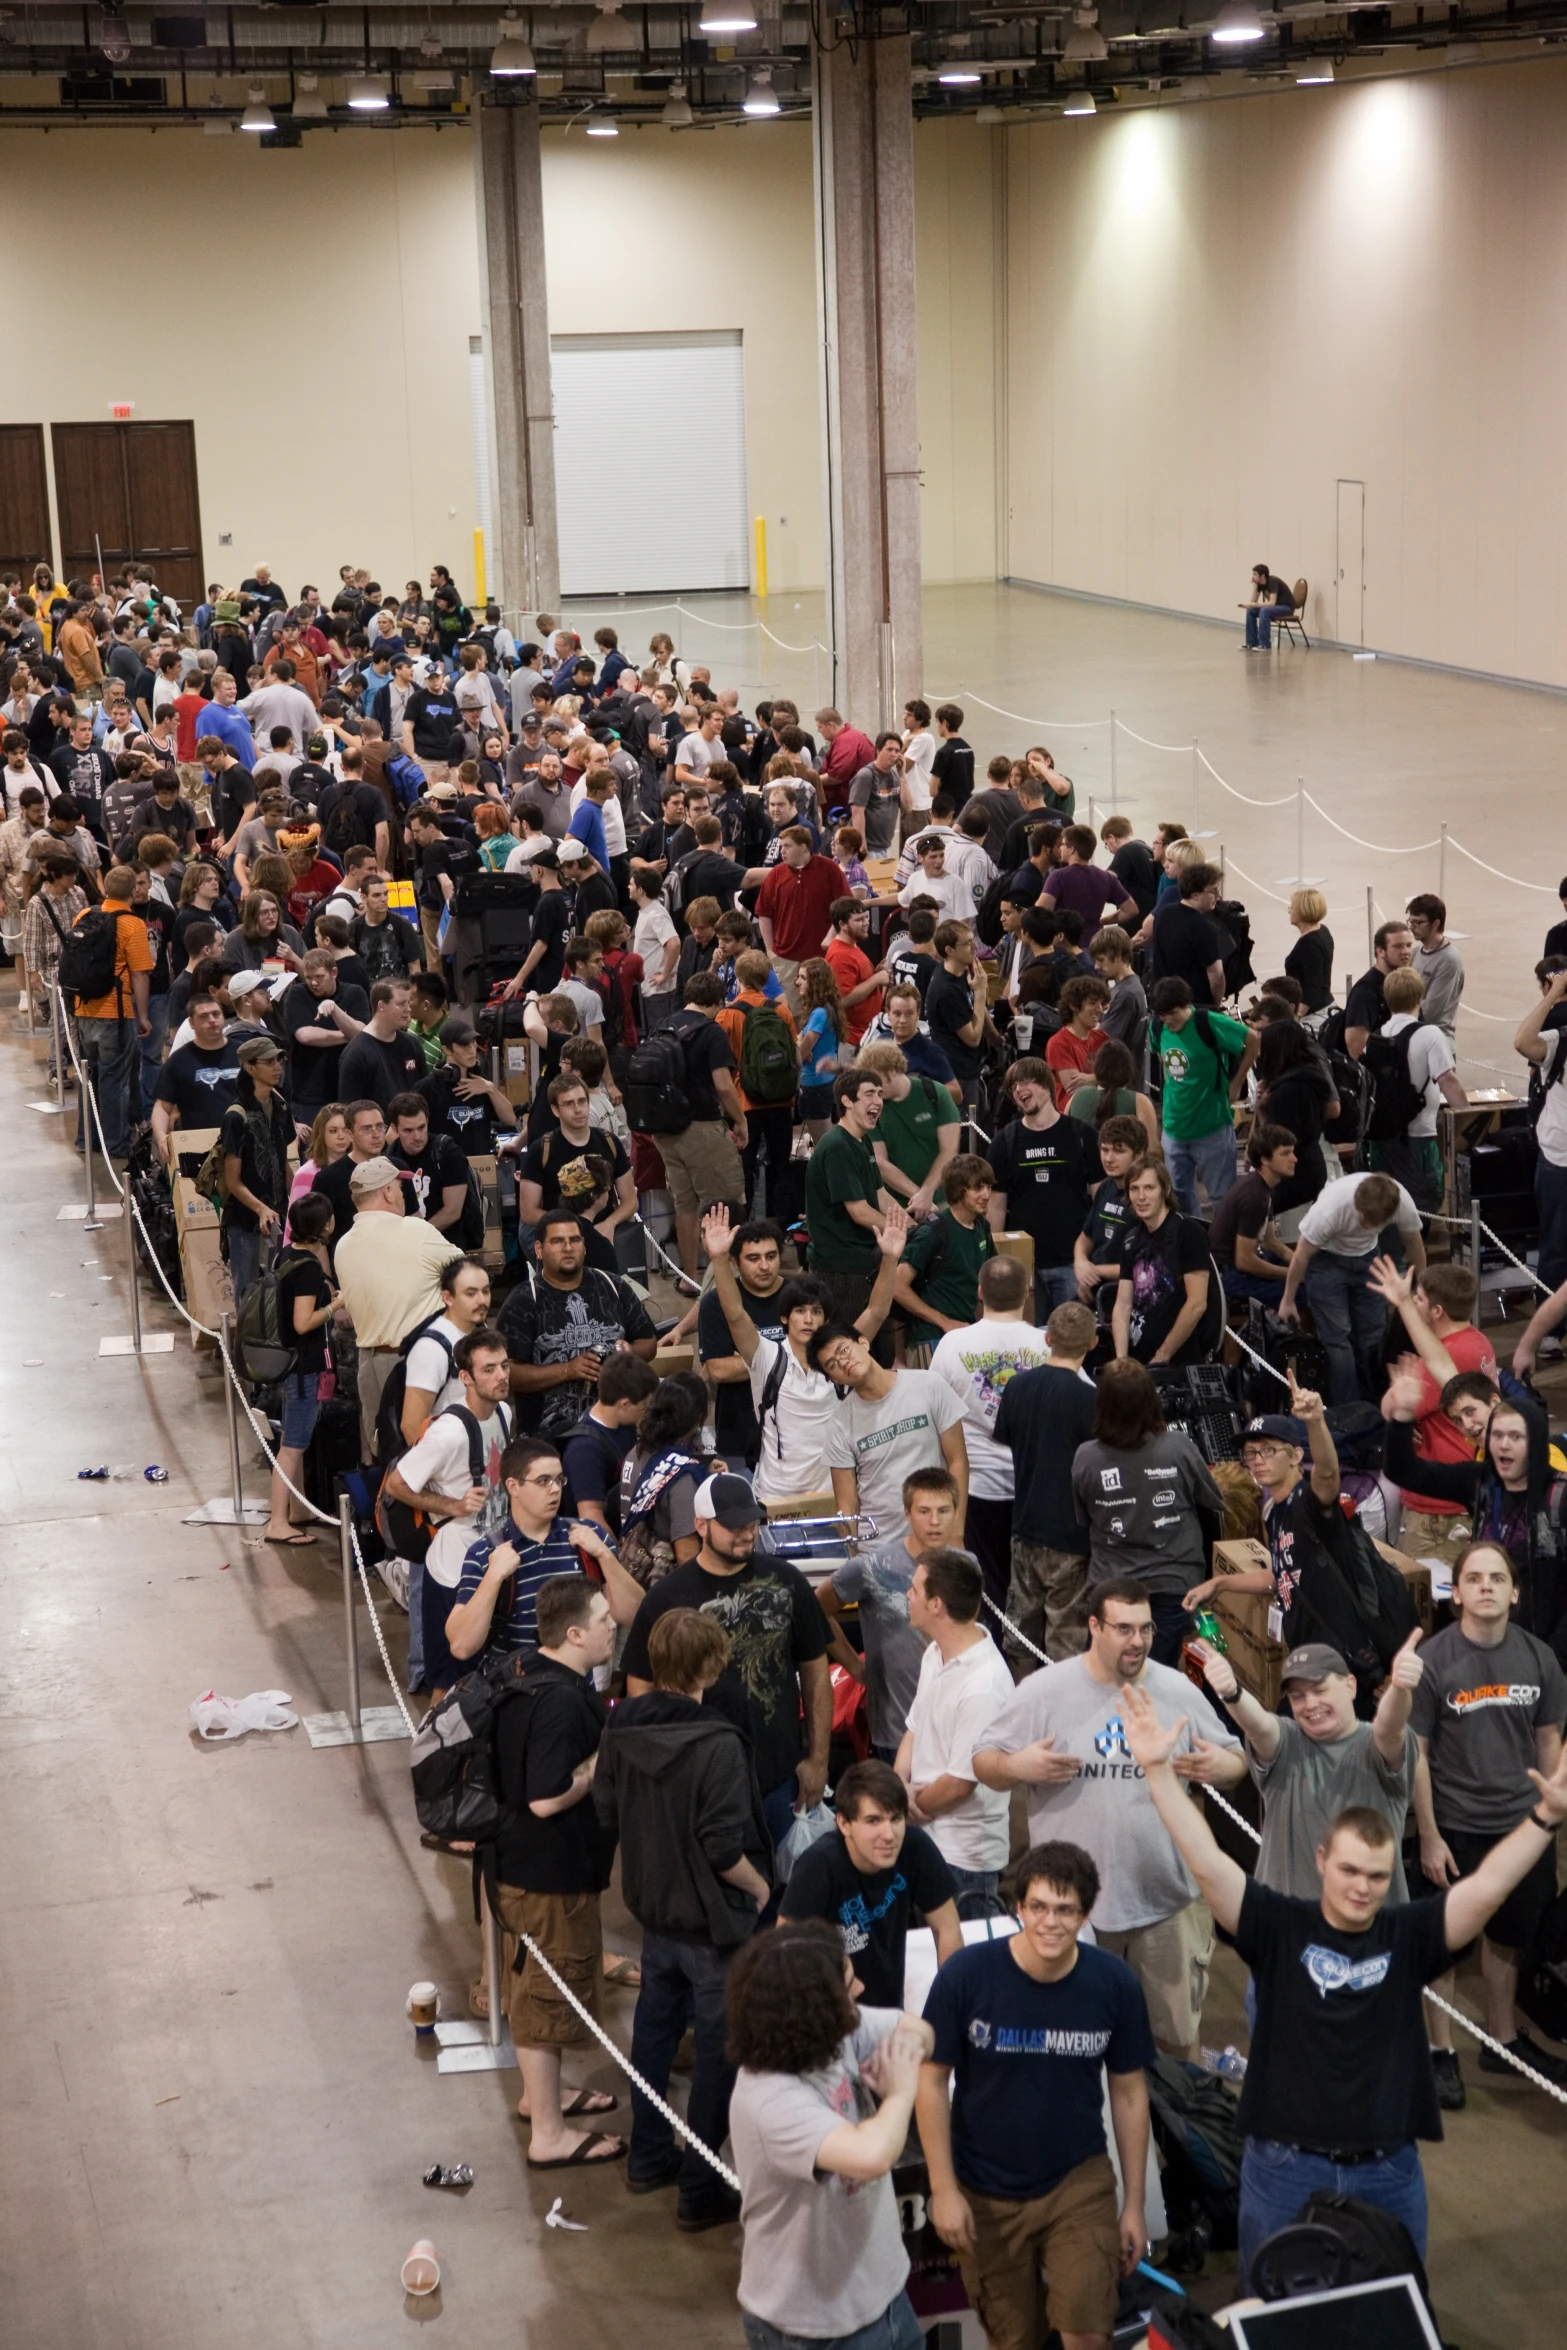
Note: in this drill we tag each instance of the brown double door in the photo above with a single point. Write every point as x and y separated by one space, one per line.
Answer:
25 537
131 490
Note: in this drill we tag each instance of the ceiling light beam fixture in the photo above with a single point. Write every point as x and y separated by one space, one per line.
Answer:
512 54
1315 69
677 115
603 126
1085 43
367 93
760 96
608 30
309 105
1237 23
727 16
955 77
258 115
1080 102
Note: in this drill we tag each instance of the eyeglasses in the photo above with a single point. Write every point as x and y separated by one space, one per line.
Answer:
546 1477
1058 1910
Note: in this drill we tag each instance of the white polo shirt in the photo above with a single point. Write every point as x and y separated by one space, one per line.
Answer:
1331 1223
955 1709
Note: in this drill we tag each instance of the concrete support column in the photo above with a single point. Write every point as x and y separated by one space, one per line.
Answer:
525 559
863 134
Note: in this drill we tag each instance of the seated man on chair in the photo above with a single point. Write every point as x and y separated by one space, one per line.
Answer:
1268 595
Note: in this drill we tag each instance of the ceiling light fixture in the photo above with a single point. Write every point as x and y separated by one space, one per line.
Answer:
367 93
1237 22
258 115
954 77
309 105
607 31
217 126
1318 69
603 128
760 96
512 53
432 74
1085 44
727 16
988 114
677 115
1080 102
113 39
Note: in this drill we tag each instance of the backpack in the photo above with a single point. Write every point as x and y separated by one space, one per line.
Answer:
267 1350
88 955
406 778
452 1762
1396 1100
1233 924
1353 1090
407 1532
1364 2241
769 1063
389 1440
1360 1606
654 1086
1195 2120
987 922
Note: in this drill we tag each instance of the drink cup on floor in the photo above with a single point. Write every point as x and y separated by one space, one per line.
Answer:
424 2006
421 2270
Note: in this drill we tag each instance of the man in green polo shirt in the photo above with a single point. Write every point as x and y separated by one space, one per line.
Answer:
938 1277
1205 1056
917 1131
846 1201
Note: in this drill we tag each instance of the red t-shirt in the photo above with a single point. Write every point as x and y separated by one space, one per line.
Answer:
847 753
1068 1051
797 904
1437 1438
187 711
851 966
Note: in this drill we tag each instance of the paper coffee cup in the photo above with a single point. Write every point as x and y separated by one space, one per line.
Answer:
421 2270
424 2006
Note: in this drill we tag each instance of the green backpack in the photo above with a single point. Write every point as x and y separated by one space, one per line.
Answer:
769 1063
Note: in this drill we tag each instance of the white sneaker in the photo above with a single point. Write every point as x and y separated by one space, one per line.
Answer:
394 1574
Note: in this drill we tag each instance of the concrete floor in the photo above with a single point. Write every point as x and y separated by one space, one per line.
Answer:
216 2117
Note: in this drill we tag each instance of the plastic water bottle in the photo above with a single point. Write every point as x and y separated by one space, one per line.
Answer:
1228 2063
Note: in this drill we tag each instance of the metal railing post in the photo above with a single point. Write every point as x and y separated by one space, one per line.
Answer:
345 1538
492 1969
236 1476
130 1228
88 1099
57 1022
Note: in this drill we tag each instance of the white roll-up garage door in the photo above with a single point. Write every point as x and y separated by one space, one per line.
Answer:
650 462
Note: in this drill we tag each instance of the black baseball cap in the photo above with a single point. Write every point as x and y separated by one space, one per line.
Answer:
730 1501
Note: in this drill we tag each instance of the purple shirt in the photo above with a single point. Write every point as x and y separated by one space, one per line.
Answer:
1083 889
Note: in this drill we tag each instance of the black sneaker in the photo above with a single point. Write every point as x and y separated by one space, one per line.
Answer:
1527 2051
1451 2095
652 2184
720 2213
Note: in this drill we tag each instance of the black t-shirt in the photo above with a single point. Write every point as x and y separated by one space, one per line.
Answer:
904 966
159 921
335 1181
1045 1414
435 858
1135 870
770 1614
1310 962
1156 1264
546 1159
372 1071
592 1457
1338 2053
313 1068
201 1081
221 914
389 949
544 1324
1185 942
471 1124
552 924
1296 1530
540 1739
432 713
1105 1224
1242 1212
707 1052
870 1908
1047 1178
949 1006
1367 1005
439 1165
303 1278
735 1432
952 772
710 876
364 808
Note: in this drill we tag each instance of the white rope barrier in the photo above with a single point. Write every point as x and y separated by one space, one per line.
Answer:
1417 848
1288 800
1057 725
1545 889
678 1271
1176 750
1463 1224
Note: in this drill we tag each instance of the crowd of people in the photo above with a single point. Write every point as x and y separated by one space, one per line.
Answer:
971 1155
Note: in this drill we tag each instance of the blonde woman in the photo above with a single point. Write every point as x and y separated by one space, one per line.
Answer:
1310 960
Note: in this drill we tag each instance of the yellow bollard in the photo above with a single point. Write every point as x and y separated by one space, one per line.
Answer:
759 585
479 595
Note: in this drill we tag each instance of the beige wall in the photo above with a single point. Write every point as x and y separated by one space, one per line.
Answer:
1216 311
329 384
956 191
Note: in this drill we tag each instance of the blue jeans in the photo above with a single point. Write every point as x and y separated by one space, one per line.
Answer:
682 1983
778 1815
1239 1287
152 1051
244 1258
1351 1323
1276 2180
1210 1160
897 2328
415 1623
116 1046
1259 622
1550 1192
1054 1285
976 1891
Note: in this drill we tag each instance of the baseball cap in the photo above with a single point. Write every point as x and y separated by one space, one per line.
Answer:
458 1031
245 982
374 1175
570 850
1283 1427
1314 1662
527 850
442 791
730 1501
259 1048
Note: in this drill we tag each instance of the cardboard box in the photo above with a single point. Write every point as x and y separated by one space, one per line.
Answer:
1021 1246
487 1176
209 1289
671 1359
514 1055
193 1211
1244 1617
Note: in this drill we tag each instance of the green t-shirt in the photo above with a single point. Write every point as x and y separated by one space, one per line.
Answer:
1085 1102
954 1288
839 1169
1196 1089
910 1130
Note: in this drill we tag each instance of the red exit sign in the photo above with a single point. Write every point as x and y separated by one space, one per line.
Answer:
121 409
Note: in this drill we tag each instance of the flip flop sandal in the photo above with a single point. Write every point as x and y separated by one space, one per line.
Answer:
586 2101
583 2154
624 1973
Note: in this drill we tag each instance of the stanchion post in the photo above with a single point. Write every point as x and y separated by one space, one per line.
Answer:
1300 827
1371 927
130 1236
1196 786
1441 866
88 1098
57 1021
1112 765
1474 1242
236 1477
345 1540
493 1974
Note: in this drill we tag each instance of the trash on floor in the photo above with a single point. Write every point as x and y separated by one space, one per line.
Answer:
553 2218
217 1718
156 1476
453 2174
421 2270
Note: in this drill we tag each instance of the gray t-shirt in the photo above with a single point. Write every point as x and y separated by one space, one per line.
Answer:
879 1579
822 2255
1480 1708
1140 1508
885 1440
1107 1808
1308 1784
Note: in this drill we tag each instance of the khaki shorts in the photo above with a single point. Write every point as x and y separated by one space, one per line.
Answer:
1432 1534
1073 2234
702 1165
566 1928
1171 1961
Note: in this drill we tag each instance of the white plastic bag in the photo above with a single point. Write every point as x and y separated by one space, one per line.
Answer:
804 1831
218 1718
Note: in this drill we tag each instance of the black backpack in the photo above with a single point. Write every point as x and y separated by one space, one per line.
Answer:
1360 1606
1396 1100
389 1415
1336 2241
654 1086
452 1762
1233 924
88 954
407 1532
267 1351
987 922
1195 2121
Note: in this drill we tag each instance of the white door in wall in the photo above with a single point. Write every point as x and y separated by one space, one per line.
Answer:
650 463
1349 626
